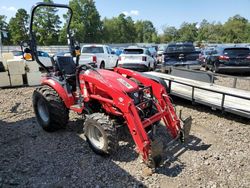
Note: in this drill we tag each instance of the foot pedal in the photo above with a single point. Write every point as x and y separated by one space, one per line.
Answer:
184 134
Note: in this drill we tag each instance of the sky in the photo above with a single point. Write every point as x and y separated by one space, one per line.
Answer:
160 12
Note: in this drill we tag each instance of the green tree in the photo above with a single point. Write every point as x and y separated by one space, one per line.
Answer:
119 29
216 33
139 27
4 27
188 32
145 31
86 24
3 23
248 32
210 32
110 30
18 27
127 29
47 25
170 34
203 31
156 38
236 29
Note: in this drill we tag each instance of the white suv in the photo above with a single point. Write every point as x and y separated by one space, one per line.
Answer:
136 58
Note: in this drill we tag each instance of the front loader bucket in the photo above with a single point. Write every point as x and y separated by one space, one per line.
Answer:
157 147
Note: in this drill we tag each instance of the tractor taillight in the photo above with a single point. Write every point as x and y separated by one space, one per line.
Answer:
94 59
144 58
223 58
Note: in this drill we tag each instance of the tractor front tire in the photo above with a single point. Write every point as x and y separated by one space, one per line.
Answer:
101 134
50 110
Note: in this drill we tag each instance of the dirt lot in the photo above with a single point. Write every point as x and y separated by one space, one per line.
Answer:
216 155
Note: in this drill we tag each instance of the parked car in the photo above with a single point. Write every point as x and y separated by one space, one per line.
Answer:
197 48
117 51
153 51
100 56
43 56
229 59
203 55
17 54
136 58
180 55
161 49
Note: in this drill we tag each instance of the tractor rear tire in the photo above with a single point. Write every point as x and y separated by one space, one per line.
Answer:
50 110
101 134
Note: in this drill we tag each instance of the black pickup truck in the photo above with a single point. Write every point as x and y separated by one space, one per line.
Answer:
180 55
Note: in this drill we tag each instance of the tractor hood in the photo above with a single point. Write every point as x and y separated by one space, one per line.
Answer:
114 80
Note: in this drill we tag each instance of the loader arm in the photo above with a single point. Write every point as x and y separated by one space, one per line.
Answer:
165 106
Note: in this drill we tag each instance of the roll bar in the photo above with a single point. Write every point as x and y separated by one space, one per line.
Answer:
33 45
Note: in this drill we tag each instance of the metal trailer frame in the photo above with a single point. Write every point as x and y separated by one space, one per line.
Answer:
210 80
221 107
209 76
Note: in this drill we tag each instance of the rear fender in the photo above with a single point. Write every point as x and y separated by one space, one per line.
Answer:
67 98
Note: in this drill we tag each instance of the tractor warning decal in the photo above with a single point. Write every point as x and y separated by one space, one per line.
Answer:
123 82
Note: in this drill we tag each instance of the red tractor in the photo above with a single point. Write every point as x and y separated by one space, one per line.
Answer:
107 99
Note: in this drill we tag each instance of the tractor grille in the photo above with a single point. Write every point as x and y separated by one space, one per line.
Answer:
143 95
144 102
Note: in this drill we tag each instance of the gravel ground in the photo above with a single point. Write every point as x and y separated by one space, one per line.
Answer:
241 82
217 153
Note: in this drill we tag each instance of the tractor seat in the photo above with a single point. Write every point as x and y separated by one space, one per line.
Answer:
65 65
